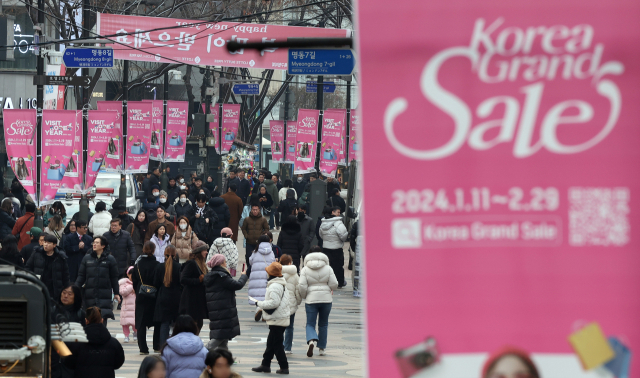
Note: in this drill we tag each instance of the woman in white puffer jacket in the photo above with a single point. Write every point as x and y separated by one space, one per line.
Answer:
101 221
317 283
290 273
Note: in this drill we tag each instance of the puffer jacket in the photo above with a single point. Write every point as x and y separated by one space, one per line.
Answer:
272 189
182 209
221 209
6 224
317 279
184 244
184 356
291 242
60 268
220 290
253 227
226 247
100 277
259 261
290 274
100 223
333 233
278 298
97 359
128 312
122 249
161 245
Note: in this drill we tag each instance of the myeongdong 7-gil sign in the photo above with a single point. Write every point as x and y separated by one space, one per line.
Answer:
167 40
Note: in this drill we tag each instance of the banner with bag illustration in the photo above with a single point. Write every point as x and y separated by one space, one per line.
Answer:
157 141
21 143
177 121
102 131
230 124
113 160
333 140
342 161
58 135
276 134
306 140
139 121
290 151
354 129
213 126
73 180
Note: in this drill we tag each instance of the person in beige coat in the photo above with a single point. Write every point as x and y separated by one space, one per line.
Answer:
184 239
290 274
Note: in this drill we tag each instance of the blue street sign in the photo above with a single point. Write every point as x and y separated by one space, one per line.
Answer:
246 89
82 57
327 87
320 62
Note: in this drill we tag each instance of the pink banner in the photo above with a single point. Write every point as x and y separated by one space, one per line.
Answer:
21 141
354 129
290 152
276 134
114 157
342 161
177 120
213 126
515 130
103 128
202 42
157 142
230 124
333 126
306 140
139 120
58 134
72 182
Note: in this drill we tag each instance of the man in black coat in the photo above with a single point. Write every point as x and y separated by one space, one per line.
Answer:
221 209
299 184
121 246
290 240
331 185
202 219
76 245
50 264
243 186
307 228
336 200
99 357
173 191
197 188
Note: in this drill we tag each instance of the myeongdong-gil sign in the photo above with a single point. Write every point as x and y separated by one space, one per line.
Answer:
167 40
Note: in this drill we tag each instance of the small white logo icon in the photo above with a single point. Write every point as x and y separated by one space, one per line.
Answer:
405 233
252 63
197 59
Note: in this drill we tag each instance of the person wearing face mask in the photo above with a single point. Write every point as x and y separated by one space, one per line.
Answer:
203 218
307 229
155 194
173 191
185 240
183 205
198 189
150 207
299 185
167 206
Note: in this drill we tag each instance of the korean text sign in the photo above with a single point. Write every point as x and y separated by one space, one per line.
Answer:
139 123
103 128
21 141
177 120
114 157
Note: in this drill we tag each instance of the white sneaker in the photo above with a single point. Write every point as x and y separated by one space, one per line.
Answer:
322 353
126 339
310 350
288 352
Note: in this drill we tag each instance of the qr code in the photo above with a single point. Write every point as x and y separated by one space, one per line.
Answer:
68 143
599 216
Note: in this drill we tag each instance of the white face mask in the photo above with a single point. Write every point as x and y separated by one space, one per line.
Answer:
183 200
163 200
299 179
201 192
181 180
182 187
183 226
156 194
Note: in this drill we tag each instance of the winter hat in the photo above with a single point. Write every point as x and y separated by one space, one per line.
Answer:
119 205
129 269
216 260
227 231
200 246
510 351
34 231
275 269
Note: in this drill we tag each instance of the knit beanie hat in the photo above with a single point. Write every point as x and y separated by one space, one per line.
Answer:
275 269
216 260
227 231
200 246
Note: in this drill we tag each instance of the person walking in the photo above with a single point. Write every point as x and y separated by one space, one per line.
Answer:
7 222
192 300
202 218
168 207
121 246
76 246
184 353
259 260
290 274
299 185
99 275
119 210
66 308
289 205
335 200
56 208
9 254
219 363
128 311
290 240
220 293
101 220
219 206
152 367
225 245
307 228
334 234
161 241
50 263
167 281
143 276
253 227
161 219
266 202
24 223
275 309
101 356
173 191
37 239
317 282
138 231
182 205
235 205
243 185
184 239
55 228
272 189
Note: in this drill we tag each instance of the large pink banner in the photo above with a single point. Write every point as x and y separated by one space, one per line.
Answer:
514 128
73 179
202 42
354 130
290 152
276 134
58 134
177 121
139 120
342 153
333 126
21 141
157 141
213 126
103 128
114 157
230 124
306 140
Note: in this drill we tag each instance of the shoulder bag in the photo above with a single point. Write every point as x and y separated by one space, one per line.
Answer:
271 311
146 290
22 228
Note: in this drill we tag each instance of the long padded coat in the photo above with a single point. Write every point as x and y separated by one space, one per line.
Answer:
259 261
128 312
221 303
100 279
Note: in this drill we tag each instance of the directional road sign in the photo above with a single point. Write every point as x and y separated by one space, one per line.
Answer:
327 87
321 62
246 89
80 81
83 57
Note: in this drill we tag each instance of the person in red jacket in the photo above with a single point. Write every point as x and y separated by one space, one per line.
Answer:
24 224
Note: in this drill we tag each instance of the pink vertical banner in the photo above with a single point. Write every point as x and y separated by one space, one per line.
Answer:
157 141
230 124
332 142
290 150
139 120
114 158
276 132
58 134
72 182
306 140
214 126
21 141
102 127
342 161
177 121
354 129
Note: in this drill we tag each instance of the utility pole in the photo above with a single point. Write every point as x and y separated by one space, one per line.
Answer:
38 222
165 97
84 202
221 97
319 106
125 98
286 119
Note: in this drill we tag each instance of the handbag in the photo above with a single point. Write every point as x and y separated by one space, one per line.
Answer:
146 290
22 228
271 311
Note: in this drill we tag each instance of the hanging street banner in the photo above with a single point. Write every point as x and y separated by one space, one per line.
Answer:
306 140
58 134
354 130
102 129
139 120
333 123
113 160
202 42
342 161
214 125
230 124
290 151
72 182
21 140
276 134
177 121
157 141
515 127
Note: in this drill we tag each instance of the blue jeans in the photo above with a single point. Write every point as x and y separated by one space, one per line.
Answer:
165 328
313 311
288 334
272 218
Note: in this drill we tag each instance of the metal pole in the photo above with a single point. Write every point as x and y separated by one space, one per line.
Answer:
164 111
286 119
38 222
319 106
220 100
84 202
125 98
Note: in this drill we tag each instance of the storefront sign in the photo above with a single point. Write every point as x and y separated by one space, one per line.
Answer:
276 134
333 139
113 159
21 141
177 120
58 142
103 138
306 140
230 124
139 121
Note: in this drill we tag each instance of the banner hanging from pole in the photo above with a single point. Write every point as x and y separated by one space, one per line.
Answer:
290 150
139 120
157 141
177 121
58 135
306 140
333 125
343 142
73 180
276 134
21 141
114 159
230 124
354 129
102 129
215 125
